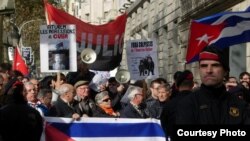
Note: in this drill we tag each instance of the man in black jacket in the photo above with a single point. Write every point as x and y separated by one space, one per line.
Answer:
212 104
184 83
18 120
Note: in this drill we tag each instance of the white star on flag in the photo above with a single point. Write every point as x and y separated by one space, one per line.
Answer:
203 38
18 63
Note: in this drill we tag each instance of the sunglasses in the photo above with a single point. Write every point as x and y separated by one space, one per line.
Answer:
106 100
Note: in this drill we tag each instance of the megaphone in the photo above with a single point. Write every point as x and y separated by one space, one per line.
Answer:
122 76
88 56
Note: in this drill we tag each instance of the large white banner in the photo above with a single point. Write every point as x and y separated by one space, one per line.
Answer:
58 48
142 59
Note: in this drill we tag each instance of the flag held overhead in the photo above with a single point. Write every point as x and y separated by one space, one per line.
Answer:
19 64
106 40
223 30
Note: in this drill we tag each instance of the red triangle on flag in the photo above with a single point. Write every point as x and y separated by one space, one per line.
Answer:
53 134
200 36
19 63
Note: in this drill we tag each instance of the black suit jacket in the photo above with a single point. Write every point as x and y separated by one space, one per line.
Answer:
61 109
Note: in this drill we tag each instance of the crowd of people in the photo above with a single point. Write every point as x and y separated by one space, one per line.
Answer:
219 99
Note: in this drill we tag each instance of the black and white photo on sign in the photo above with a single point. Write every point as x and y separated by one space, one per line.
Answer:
26 53
58 56
142 59
146 66
58 48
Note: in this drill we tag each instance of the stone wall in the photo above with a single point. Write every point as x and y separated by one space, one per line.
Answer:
168 22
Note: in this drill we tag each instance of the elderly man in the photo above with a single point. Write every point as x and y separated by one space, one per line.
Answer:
134 108
83 103
31 95
36 84
212 104
63 106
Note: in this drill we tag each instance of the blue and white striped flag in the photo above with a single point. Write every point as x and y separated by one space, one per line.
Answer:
103 129
223 30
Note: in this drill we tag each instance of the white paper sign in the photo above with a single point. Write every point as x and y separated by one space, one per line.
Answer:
142 59
26 53
58 48
11 53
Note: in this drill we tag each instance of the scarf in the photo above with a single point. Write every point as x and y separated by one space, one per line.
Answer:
108 111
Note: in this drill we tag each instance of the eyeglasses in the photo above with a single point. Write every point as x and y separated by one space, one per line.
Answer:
106 100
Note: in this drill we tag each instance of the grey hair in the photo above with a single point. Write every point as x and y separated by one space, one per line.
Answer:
100 95
133 91
28 83
62 89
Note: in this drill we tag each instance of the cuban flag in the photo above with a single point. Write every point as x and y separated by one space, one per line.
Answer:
223 30
102 129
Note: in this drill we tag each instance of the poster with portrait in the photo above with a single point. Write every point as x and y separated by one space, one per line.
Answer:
26 53
11 53
142 59
58 48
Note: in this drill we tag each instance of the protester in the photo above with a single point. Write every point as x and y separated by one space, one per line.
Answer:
63 106
231 82
104 107
164 93
45 97
212 104
55 84
184 84
18 120
83 104
46 82
152 100
35 82
135 107
174 87
116 92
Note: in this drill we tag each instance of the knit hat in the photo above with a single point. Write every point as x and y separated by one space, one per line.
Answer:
185 75
217 54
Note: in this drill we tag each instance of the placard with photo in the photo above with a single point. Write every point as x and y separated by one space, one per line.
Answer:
58 48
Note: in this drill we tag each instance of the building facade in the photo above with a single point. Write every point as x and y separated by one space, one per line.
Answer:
95 11
168 22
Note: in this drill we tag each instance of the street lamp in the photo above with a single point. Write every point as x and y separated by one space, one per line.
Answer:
21 28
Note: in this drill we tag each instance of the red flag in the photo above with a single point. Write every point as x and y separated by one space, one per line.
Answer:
116 27
199 37
106 40
19 64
